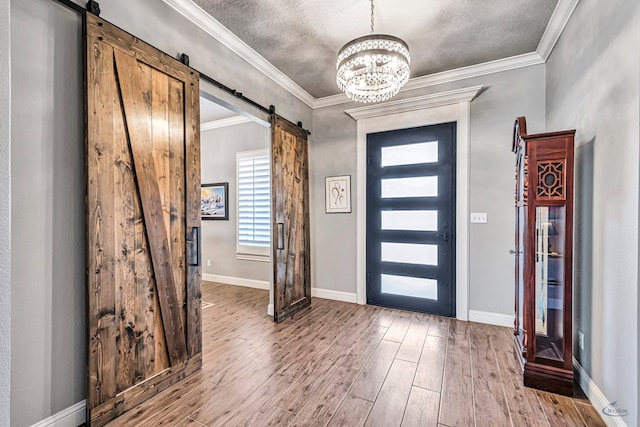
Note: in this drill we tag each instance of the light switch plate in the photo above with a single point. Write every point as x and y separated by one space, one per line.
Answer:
479 217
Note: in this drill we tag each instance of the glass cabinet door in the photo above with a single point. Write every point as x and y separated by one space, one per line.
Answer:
549 282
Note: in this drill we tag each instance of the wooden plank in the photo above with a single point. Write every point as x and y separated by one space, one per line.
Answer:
363 348
560 410
145 316
313 378
397 330
175 205
439 326
319 410
352 412
140 140
133 46
523 402
123 402
126 204
373 374
422 408
457 390
154 411
431 365
191 111
589 414
391 402
483 356
490 403
101 296
411 347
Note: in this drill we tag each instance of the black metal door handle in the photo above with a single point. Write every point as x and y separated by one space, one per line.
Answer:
280 244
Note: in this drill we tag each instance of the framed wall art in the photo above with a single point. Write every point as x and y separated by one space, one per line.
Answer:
214 201
338 194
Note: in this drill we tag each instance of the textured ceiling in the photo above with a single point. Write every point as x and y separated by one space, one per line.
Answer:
210 111
302 37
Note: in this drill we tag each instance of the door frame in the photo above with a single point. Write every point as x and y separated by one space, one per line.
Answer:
451 106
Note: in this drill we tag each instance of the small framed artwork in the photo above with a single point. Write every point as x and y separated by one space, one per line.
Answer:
214 201
338 194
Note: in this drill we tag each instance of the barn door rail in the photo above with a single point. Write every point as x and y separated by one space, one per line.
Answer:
94 8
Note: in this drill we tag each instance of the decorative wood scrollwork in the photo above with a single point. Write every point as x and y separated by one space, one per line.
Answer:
550 180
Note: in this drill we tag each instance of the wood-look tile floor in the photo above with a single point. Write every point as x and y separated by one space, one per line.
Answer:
339 364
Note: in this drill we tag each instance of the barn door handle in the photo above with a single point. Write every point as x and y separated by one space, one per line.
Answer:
193 241
280 244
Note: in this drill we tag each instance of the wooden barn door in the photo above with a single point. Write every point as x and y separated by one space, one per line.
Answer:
143 221
290 190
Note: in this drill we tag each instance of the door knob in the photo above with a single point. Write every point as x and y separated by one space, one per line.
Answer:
512 252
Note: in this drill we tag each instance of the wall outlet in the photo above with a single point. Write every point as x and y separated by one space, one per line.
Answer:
208 263
581 340
479 217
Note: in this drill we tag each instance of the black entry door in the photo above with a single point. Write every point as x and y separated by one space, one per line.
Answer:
411 219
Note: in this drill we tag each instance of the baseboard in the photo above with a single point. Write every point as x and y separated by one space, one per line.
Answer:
334 295
596 396
237 281
73 416
270 310
489 318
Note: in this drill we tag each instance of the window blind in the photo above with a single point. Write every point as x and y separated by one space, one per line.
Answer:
254 199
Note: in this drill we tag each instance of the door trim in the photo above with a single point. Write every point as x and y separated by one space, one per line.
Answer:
452 106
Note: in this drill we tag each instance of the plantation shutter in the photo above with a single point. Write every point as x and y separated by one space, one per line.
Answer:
254 207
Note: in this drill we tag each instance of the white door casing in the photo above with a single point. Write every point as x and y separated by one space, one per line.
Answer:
450 106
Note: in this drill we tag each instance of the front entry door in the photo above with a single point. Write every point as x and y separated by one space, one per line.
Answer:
143 221
411 219
290 194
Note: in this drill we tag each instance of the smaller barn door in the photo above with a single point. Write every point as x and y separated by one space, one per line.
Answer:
143 221
291 241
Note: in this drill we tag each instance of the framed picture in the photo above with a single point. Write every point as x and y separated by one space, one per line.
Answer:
214 201
338 194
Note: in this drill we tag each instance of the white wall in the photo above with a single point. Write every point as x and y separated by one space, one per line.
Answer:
218 164
593 86
491 183
5 212
47 182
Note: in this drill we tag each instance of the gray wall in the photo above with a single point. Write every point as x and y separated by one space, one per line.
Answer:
333 152
593 86
47 183
5 212
47 197
218 164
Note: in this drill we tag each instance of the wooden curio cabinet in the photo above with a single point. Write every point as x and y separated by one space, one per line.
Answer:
543 254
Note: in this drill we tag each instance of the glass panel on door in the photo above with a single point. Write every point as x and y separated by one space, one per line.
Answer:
416 220
409 286
549 291
420 186
409 154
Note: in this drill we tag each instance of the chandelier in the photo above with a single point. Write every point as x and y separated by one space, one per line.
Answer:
373 68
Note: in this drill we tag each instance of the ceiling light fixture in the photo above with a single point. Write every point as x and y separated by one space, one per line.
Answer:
373 68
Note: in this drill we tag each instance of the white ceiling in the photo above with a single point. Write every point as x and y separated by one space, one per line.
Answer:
210 111
302 37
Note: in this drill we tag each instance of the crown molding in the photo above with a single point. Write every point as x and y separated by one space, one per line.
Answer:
211 26
497 66
229 121
456 96
561 15
559 19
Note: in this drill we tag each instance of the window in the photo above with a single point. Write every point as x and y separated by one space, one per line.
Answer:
254 204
